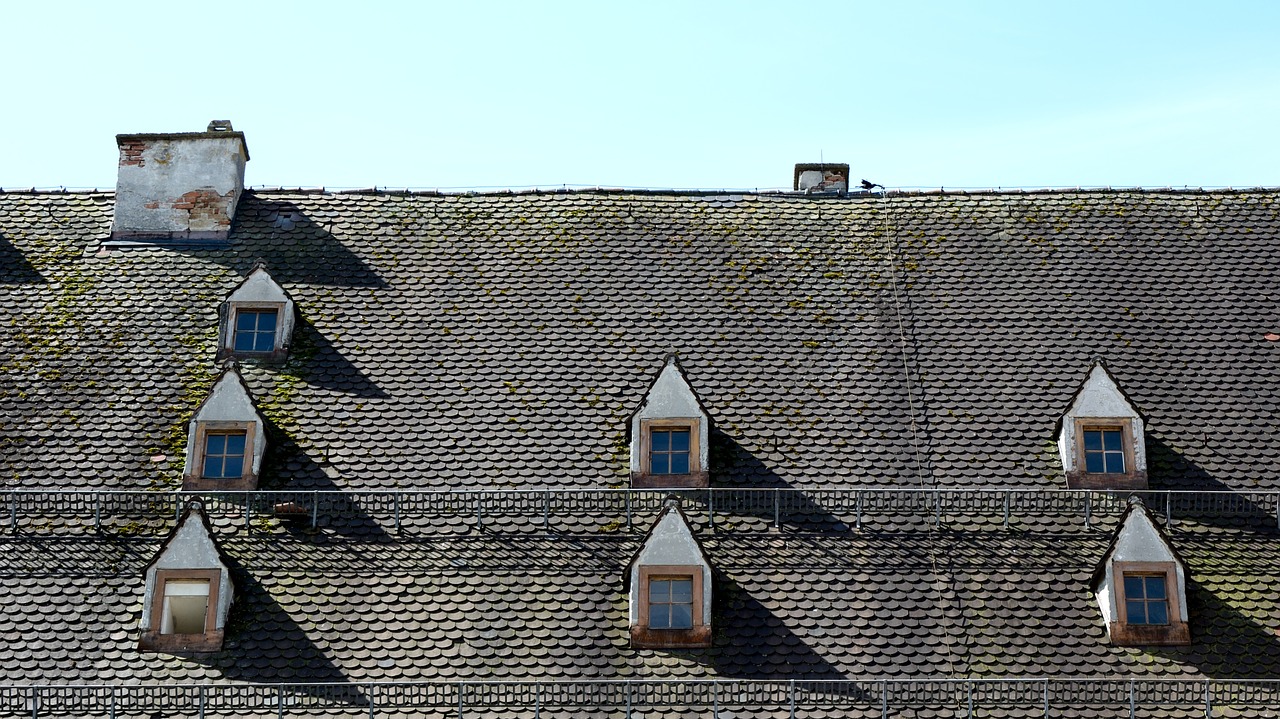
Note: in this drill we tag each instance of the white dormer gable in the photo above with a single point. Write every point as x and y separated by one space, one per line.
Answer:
1101 437
670 556
225 426
1141 583
670 414
257 319
187 589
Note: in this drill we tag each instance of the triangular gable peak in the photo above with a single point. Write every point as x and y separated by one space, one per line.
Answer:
669 433
1140 583
256 320
188 590
1101 437
226 439
669 583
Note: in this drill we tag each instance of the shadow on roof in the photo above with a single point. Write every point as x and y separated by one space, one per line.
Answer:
14 267
1225 642
296 249
798 511
326 367
754 643
1171 469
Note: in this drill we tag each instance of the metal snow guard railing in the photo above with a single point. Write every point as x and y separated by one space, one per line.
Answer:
1034 696
553 507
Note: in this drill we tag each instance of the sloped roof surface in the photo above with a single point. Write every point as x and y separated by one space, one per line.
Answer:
501 341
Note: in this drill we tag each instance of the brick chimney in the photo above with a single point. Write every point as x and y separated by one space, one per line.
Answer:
183 185
821 177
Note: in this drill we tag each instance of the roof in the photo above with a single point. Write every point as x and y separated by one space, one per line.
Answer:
890 345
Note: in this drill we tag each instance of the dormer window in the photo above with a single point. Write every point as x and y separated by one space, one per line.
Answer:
1100 437
257 319
669 580
187 590
1140 584
225 440
669 432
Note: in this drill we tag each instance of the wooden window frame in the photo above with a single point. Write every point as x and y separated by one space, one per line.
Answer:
247 479
1122 632
210 640
229 341
1131 478
642 636
697 474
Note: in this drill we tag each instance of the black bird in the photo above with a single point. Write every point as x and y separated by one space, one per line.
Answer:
867 185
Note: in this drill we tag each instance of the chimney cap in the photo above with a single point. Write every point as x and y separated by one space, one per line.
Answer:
217 129
836 168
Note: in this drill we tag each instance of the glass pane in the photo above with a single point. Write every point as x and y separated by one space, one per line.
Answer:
215 444
660 616
265 342
267 322
1093 462
681 616
661 441
660 464
1111 439
1092 439
246 320
244 342
1136 612
1133 587
213 466
235 444
1155 587
682 590
1157 613
680 440
680 463
659 590
1115 462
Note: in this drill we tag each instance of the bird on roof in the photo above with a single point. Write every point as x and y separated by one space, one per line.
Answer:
867 185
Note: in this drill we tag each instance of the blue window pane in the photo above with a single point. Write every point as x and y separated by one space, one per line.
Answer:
1092 440
660 616
1157 613
659 590
1155 587
266 321
215 444
682 590
660 464
1136 612
1114 462
661 441
235 444
679 463
1093 463
244 342
680 441
246 320
1133 587
681 616
1111 439
213 467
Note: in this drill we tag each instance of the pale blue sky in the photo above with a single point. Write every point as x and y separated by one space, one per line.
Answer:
655 94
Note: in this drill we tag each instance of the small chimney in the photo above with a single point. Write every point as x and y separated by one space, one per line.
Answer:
821 177
183 185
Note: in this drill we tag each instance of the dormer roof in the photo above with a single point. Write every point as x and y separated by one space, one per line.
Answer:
1100 395
670 394
1146 541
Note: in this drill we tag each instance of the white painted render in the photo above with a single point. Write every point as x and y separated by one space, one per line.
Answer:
1139 541
228 402
191 548
170 168
1100 399
670 542
669 398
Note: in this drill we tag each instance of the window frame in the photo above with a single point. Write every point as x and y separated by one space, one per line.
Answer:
645 636
209 640
1175 632
233 314
1125 425
197 478
696 471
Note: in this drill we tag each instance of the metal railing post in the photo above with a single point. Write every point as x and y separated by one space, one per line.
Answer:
372 688
479 513
628 700
200 701
546 518
460 686
1046 698
777 509
711 513
396 509
884 699
315 509
1133 707
1208 701
537 704
969 686
13 512
279 702
715 699
1006 510
248 510
97 512
1168 509
628 503
857 517
111 708
35 702
793 699
1088 510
